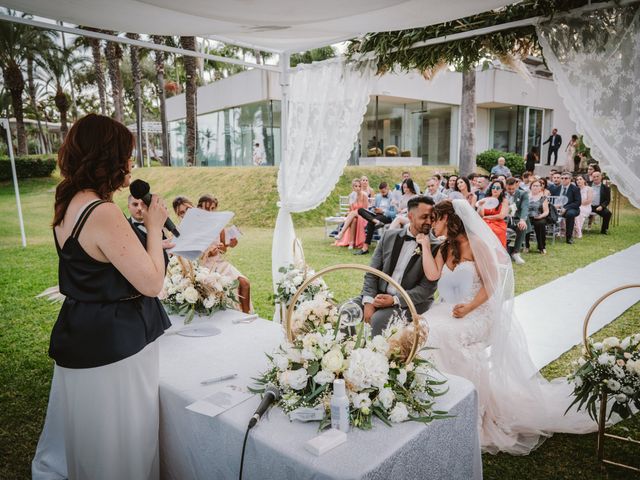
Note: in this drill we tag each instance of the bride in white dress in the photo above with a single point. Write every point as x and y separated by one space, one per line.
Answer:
475 335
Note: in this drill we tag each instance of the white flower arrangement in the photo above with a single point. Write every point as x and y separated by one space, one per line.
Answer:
190 288
292 277
377 380
613 368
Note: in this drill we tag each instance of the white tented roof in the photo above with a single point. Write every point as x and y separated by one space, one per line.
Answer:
281 25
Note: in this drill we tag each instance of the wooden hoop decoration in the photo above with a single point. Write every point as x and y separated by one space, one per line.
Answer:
603 397
365 268
585 325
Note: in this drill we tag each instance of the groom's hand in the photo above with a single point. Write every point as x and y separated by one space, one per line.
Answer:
383 300
369 310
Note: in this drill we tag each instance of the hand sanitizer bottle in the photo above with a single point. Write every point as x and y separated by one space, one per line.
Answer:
339 407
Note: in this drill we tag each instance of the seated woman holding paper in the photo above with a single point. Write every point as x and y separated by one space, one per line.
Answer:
214 259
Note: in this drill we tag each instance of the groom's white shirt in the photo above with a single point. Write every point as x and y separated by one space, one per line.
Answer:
408 248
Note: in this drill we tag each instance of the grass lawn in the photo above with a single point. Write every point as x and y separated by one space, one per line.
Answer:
25 322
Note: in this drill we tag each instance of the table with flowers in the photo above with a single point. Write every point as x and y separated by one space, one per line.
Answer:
196 446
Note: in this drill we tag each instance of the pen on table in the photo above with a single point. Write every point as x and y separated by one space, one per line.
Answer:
247 319
219 379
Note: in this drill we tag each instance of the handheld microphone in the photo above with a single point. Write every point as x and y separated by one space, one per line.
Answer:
142 191
271 395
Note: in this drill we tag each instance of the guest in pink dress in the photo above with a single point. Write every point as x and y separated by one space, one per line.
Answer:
352 234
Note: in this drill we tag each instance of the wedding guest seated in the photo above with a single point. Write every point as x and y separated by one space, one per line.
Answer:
600 201
463 187
366 188
180 205
406 176
501 168
518 220
592 167
556 186
538 213
586 195
495 216
571 209
482 182
440 180
525 184
543 185
433 190
214 259
352 233
383 213
408 192
451 185
502 178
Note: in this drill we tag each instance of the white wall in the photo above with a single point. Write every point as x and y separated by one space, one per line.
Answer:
445 88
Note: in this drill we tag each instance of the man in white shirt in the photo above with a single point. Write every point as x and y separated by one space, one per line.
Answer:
434 191
400 256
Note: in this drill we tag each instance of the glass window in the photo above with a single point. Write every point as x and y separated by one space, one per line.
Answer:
507 128
243 135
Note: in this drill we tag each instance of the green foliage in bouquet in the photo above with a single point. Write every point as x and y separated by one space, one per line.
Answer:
379 382
190 288
612 368
292 278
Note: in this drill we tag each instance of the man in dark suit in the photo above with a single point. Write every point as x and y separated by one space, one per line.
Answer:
601 199
399 256
519 221
554 142
137 209
556 184
571 209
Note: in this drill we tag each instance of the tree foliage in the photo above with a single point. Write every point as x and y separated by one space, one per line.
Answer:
393 49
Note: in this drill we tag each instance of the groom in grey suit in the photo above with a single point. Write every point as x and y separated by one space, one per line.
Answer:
399 256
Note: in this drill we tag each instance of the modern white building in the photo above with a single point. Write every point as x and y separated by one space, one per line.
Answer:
420 118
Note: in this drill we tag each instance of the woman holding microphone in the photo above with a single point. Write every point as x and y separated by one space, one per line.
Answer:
104 395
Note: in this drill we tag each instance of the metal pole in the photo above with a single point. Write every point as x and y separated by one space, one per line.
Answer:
14 174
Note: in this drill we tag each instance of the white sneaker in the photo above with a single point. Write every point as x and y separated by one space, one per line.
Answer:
518 259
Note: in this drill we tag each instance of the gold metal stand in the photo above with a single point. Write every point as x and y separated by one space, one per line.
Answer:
602 417
353 266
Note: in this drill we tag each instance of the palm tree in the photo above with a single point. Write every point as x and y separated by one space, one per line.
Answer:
54 63
15 41
95 44
191 70
159 58
134 55
44 42
468 127
113 53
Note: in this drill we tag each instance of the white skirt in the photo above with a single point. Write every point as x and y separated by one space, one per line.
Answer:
102 423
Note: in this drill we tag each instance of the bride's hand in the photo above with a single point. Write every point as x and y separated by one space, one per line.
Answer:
460 310
423 240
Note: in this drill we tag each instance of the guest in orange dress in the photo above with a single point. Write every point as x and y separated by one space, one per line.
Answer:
352 234
495 217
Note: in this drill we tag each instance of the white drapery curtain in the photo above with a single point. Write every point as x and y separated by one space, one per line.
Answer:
327 101
595 62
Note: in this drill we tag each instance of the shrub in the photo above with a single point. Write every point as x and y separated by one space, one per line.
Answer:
489 158
28 166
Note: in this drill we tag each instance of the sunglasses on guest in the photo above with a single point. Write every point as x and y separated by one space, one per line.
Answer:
496 187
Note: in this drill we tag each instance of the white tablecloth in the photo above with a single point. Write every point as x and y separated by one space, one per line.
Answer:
195 446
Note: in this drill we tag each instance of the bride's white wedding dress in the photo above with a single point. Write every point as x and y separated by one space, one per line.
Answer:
518 408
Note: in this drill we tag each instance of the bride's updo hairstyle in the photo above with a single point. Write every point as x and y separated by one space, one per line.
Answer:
454 228
94 156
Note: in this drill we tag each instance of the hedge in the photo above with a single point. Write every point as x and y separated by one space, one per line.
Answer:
489 159
28 166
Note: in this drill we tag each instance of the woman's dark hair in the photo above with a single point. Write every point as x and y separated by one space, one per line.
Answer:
534 150
543 181
501 197
466 182
94 156
207 201
180 200
574 137
454 228
409 183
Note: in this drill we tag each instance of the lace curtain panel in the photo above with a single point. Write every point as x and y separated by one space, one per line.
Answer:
327 101
595 62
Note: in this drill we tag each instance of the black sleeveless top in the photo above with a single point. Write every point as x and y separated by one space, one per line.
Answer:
103 319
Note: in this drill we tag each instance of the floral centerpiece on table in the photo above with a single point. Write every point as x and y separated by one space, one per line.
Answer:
377 380
190 288
292 277
612 368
